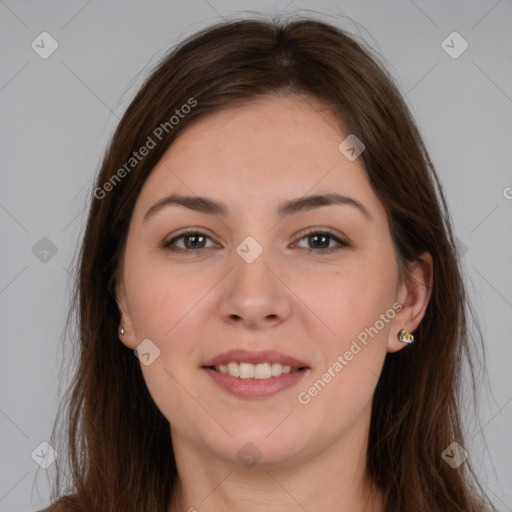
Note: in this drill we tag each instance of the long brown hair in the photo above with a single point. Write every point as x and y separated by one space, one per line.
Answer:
119 449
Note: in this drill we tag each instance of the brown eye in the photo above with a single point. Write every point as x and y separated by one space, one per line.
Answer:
319 241
192 240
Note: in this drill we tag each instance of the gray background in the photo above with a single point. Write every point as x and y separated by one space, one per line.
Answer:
58 113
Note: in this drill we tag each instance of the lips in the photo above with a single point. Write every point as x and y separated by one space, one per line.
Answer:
264 356
233 371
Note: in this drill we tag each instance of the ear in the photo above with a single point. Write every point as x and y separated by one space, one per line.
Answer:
128 338
413 294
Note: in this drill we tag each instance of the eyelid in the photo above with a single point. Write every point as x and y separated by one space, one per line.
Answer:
339 239
319 230
189 231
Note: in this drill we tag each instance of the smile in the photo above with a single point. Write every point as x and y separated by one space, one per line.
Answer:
255 375
259 371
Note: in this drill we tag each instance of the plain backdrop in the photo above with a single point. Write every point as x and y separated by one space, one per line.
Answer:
57 114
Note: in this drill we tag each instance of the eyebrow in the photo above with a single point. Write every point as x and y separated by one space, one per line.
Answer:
212 207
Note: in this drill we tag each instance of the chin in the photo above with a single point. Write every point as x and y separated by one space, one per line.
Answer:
263 443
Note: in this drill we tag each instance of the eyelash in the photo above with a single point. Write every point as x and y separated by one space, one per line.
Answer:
341 244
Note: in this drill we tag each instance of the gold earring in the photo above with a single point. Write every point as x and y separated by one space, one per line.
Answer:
405 336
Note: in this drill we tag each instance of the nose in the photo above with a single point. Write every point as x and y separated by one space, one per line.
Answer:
255 294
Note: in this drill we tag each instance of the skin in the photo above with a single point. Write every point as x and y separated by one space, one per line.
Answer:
197 304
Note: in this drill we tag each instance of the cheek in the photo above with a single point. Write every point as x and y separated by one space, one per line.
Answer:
356 304
165 306
342 386
160 295
352 297
170 305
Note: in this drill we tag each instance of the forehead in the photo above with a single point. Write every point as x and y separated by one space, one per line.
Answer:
263 151
292 126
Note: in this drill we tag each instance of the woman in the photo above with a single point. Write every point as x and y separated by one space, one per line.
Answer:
269 238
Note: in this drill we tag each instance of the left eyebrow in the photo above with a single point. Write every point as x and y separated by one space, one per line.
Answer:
212 207
316 201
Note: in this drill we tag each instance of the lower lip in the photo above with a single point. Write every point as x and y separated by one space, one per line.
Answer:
255 388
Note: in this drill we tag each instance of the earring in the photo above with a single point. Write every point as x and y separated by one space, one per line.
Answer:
121 331
405 336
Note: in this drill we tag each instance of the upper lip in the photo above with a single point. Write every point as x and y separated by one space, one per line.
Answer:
263 356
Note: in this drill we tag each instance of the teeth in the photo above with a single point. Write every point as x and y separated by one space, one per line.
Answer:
254 371
246 371
233 369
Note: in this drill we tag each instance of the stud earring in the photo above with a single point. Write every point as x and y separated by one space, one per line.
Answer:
405 336
121 331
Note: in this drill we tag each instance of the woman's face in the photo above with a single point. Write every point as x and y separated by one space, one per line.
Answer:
253 277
